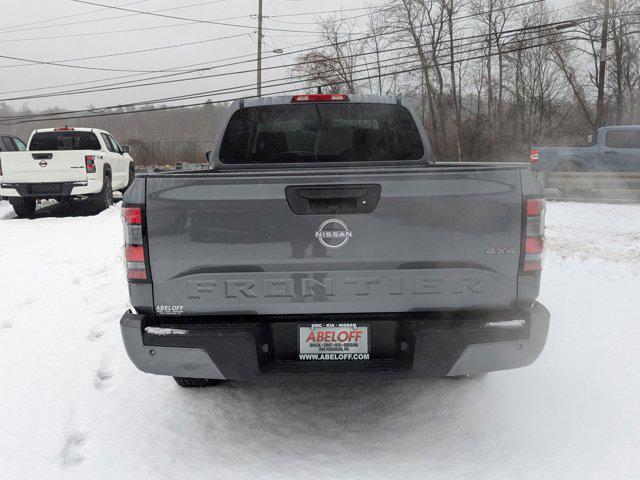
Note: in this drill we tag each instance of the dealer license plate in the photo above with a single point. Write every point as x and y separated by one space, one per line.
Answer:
329 341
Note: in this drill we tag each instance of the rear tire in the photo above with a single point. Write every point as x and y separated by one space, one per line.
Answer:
24 207
103 200
186 382
570 166
132 177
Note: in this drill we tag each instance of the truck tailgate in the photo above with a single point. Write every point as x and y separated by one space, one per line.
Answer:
437 239
45 167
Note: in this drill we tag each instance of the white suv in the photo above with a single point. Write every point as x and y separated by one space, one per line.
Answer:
65 163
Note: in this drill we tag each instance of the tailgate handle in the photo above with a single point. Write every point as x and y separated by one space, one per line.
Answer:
331 199
42 156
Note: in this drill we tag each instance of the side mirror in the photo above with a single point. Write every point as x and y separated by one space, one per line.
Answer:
126 148
209 155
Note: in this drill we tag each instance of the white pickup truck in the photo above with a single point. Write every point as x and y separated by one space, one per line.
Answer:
65 163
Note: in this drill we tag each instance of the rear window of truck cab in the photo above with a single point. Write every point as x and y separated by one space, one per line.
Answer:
65 140
321 132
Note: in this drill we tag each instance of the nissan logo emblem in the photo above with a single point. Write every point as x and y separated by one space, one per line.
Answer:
43 163
333 233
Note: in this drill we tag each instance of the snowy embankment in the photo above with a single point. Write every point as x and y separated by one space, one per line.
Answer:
72 405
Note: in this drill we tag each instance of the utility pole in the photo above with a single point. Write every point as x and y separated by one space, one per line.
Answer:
603 66
259 68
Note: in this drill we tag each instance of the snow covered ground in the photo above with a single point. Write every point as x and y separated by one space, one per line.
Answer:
73 407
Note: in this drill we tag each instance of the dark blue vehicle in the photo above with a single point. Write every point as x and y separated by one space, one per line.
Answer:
616 149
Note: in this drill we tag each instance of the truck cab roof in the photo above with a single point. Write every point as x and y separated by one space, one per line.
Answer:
320 98
68 129
620 127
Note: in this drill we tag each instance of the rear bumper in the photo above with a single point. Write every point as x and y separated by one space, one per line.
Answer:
408 345
50 190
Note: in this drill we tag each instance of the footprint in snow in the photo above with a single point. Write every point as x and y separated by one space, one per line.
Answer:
98 271
6 324
73 450
111 317
26 301
104 377
104 310
95 334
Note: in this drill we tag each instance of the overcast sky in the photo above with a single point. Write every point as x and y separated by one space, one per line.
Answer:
46 30
64 30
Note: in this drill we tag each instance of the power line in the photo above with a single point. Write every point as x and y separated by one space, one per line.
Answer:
320 12
79 67
137 29
289 80
177 71
307 77
103 19
250 55
118 84
158 109
192 96
174 69
146 50
69 16
175 17
124 85
244 88
43 117
15 28
93 34
120 54
353 17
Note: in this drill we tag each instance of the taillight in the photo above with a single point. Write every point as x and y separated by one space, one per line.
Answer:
534 245
534 155
90 163
134 249
320 97
535 207
134 253
132 215
534 210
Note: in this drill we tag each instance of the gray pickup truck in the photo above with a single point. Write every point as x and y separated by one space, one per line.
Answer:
326 240
616 149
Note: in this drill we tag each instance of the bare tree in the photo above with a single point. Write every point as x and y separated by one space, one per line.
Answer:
336 63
